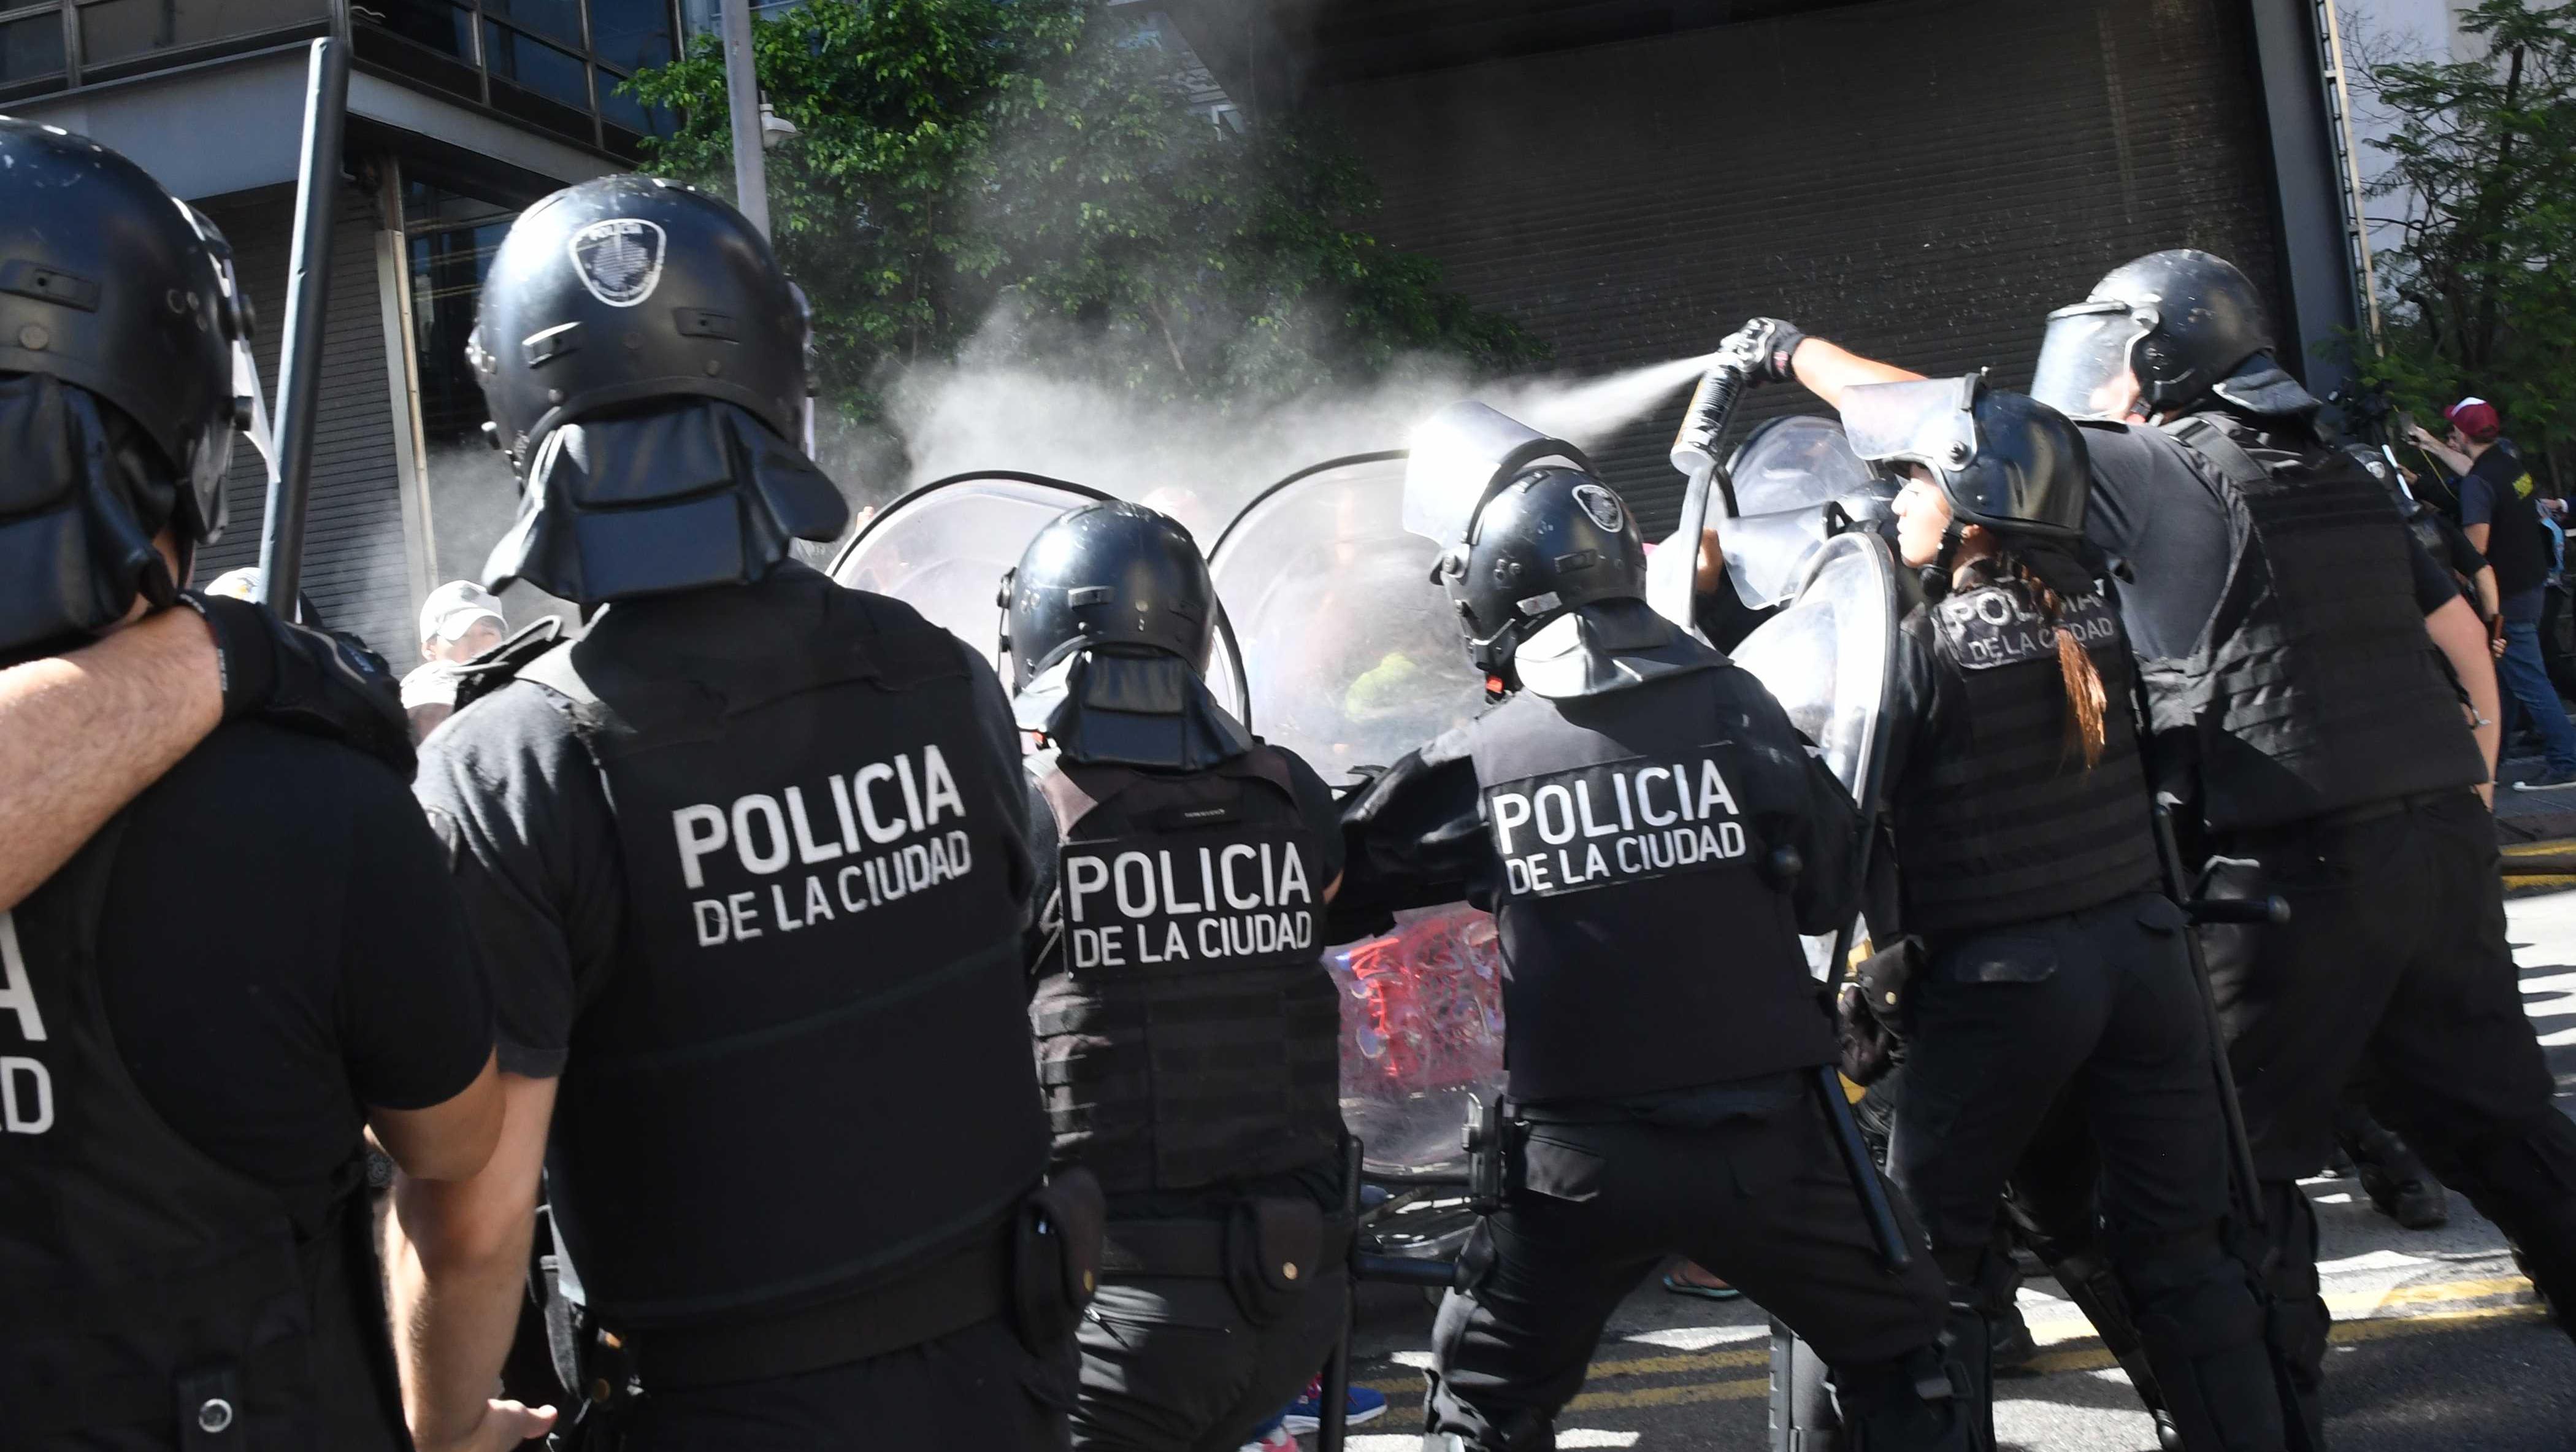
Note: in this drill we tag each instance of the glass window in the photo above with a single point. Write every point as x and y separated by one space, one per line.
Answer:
557 19
471 494
446 29
535 65
114 30
630 113
630 34
427 207
32 46
447 270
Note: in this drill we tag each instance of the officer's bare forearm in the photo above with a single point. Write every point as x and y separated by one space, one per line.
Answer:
1827 370
83 734
2490 603
457 1257
2463 641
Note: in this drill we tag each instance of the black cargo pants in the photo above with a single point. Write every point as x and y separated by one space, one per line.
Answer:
1173 1364
2096 1014
2395 950
976 1390
1763 1202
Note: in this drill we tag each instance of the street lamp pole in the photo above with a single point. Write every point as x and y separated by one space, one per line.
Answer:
742 92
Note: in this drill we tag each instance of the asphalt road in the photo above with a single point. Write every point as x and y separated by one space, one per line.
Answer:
2438 1342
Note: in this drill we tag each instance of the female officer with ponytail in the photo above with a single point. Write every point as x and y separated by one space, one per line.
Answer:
2047 965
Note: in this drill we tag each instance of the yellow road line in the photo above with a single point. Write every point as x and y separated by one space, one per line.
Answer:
2550 848
1672 1396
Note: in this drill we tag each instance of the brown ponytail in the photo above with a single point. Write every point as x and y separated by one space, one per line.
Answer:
2085 698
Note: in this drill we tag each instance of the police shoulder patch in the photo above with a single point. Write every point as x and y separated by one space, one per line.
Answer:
1602 505
619 259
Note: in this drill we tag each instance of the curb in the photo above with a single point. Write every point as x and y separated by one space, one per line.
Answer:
2548 865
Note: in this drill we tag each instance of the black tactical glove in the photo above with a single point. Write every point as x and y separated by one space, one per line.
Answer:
1773 342
327 684
1870 1010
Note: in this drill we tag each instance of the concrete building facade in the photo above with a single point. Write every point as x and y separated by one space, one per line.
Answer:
459 115
1628 178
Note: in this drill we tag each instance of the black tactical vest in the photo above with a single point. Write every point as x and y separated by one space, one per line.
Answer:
808 1071
1997 818
2314 688
149 1296
1647 950
1187 1032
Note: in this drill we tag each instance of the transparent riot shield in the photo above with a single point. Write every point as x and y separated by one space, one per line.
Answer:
1353 654
1829 659
944 547
1354 659
1785 477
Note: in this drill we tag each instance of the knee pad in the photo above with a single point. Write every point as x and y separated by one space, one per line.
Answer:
2203 1332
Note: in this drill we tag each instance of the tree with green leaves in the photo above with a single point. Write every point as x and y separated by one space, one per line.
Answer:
1036 166
2480 296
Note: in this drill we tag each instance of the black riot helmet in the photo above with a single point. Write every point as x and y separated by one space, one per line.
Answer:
1114 574
2004 460
644 362
1552 539
2187 325
112 285
629 289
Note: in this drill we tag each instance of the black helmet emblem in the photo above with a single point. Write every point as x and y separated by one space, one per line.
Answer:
619 260
1601 505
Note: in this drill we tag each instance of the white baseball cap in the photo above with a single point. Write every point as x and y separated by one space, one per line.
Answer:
237 584
452 609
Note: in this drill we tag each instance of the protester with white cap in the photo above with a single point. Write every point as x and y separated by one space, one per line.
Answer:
459 621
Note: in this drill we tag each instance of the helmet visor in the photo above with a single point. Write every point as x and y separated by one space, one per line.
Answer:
1930 421
2084 361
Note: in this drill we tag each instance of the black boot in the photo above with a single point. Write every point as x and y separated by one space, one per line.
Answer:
2394 1177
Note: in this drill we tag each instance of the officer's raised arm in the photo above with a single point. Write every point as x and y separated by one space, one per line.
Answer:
1827 369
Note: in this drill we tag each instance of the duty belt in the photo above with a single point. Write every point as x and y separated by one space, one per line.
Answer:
2346 817
1194 1249
946 1296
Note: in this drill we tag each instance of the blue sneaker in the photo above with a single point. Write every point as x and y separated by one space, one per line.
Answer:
1306 1414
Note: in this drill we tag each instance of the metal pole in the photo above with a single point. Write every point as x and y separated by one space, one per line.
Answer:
308 286
2339 95
742 96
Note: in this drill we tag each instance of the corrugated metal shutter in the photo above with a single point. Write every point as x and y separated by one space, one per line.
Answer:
1921 179
355 568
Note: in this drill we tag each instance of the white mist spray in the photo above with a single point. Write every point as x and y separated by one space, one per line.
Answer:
1199 461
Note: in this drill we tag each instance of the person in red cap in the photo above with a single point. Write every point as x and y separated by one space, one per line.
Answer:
2497 514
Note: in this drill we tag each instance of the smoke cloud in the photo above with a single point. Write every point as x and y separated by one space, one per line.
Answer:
472 499
1199 461
990 410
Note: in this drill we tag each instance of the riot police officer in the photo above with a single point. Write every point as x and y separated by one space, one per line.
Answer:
1630 788
252 957
2300 706
748 860
2048 964
1187 1032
